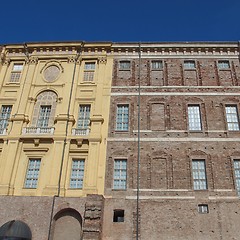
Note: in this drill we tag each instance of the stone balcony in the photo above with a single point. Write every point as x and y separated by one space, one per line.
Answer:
80 131
38 130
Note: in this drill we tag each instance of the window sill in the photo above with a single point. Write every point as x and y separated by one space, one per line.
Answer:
157 69
13 83
118 190
121 131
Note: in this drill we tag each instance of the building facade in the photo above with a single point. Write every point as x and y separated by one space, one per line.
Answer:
173 142
53 129
120 141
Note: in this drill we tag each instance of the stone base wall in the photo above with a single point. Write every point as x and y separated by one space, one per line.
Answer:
36 213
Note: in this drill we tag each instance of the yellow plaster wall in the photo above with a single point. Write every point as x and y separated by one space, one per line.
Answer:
55 150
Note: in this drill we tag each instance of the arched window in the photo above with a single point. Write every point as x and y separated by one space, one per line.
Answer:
44 109
15 230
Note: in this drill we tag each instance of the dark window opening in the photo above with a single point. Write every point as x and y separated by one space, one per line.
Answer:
118 215
203 208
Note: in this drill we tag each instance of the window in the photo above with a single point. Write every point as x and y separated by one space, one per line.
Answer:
5 115
120 174
16 72
124 65
118 215
189 64
232 117
122 118
44 110
77 174
44 116
199 175
194 119
237 175
89 69
203 208
32 173
84 117
223 64
156 65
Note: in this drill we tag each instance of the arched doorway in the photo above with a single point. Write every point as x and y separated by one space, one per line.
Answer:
67 225
15 230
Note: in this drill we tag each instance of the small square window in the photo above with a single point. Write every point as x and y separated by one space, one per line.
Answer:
203 208
223 64
124 65
118 215
189 64
157 65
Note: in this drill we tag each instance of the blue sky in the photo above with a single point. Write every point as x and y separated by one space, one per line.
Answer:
119 21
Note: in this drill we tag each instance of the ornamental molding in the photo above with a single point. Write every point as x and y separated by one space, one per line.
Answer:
51 71
102 60
74 59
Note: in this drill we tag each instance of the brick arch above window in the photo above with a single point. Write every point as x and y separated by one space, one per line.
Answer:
198 153
46 103
194 100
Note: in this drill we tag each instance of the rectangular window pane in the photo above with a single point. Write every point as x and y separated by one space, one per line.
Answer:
124 65
32 173
89 66
199 175
122 118
232 118
44 116
88 74
194 119
157 65
84 117
5 115
223 64
16 72
120 174
237 175
189 65
77 173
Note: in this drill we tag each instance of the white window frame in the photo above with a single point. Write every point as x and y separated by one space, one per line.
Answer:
223 64
232 117
120 174
32 174
77 174
194 117
189 64
199 174
16 73
122 117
